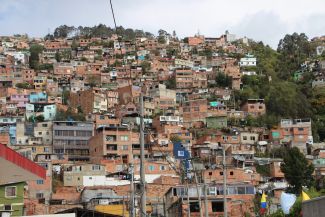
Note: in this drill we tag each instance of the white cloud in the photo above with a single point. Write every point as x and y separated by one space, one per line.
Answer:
266 20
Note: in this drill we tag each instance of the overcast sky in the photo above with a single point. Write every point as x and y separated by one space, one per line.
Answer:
266 20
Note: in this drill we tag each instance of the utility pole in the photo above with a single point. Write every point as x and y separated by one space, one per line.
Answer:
198 192
188 200
224 181
206 212
143 209
123 207
132 213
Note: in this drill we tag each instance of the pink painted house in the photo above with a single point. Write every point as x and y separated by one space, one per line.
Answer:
20 99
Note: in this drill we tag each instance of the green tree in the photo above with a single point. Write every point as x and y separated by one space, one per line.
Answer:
45 66
63 31
297 170
284 99
58 56
24 85
65 97
267 58
293 51
171 83
223 80
35 50
93 81
162 36
146 66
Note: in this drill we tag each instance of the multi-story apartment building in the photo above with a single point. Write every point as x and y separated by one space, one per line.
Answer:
239 196
44 130
40 82
194 111
184 79
114 143
71 138
297 132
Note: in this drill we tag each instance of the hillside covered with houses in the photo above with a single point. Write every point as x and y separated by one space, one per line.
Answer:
213 107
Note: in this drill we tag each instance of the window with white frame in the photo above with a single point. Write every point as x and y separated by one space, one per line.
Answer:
40 181
11 191
96 167
124 138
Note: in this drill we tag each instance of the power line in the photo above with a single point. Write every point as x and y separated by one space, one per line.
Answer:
112 9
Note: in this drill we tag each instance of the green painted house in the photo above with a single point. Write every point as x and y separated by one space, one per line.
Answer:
12 198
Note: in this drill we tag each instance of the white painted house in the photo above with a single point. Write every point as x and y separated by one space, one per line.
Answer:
248 60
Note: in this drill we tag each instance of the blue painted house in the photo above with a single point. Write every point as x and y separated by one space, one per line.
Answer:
38 97
181 153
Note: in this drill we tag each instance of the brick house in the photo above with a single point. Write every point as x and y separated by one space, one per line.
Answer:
184 79
112 143
240 197
254 107
194 111
91 101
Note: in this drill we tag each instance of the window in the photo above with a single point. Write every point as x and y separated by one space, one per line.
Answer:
180 153
46 149
300 129
33 149
124 138
217 206
39 195
151 168
241 190
194 207
212 191
64 133
196 109
40 181
96 167
11 191
84 133
231 173
250 190
234 137
244 137
101 117
186 110
124 147
44 165
44 125
221 173
232 190
7 207
110 138
162 167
